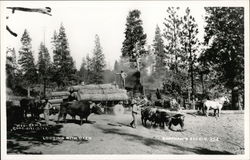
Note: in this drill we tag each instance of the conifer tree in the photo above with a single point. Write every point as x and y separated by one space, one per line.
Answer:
26 62
158 46
64 66
135 39
98 62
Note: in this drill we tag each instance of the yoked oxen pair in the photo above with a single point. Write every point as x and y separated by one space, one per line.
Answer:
14 113
32 106
78 108
215 104
162 117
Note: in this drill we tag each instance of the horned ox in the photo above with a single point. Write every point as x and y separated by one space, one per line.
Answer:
80 108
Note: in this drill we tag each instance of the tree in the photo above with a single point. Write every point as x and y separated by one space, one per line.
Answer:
116 66
135 39
89 67
98 62
82 73
176 77
64 65
159 51
225 52
11 68
44 66
26 62
171 35
189 41
44 62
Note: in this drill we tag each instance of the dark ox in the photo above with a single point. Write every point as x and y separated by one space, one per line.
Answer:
14 114
148 114
80 108
162 117
177 119
31 106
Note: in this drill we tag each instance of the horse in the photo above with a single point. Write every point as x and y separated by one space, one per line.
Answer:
215 104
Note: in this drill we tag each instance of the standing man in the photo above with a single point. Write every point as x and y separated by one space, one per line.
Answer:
123 76
158 94
135 112
72 95
46 109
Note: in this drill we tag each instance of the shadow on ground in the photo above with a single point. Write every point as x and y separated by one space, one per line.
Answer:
155 142
24 136
77 121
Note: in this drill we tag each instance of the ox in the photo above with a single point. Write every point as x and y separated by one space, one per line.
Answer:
148 114
31 106
167 118
162 117
175 120
80 108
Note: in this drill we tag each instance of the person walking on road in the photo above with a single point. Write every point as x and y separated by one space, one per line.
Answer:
135 112
46 109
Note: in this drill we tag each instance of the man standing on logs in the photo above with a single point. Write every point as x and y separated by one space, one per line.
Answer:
123 76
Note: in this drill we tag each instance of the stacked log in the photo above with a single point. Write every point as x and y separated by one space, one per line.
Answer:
56 98
101 92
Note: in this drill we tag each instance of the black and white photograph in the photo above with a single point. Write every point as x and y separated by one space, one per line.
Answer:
125 79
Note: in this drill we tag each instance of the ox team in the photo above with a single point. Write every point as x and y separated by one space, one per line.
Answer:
140 105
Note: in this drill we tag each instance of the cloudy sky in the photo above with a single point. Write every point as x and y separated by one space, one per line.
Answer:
82 20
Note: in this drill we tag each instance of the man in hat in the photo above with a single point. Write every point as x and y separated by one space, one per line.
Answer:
47 107
123 77
72 95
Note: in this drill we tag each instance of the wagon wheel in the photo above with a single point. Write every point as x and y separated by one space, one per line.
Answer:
118 109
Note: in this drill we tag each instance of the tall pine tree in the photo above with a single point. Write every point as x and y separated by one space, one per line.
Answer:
64 67
135 38
171 35
82 73
89 67
44 63
158 45
116 66
26 61
98 62
189 42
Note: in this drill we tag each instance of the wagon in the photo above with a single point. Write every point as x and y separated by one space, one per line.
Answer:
107 94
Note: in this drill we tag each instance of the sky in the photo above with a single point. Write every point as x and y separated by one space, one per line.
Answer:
82 20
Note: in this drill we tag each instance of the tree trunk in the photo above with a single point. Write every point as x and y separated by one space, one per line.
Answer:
235 99
44 87
193 104
137 64
192 79
28 91
191 67
202 84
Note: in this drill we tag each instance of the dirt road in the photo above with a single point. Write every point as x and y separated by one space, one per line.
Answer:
109 134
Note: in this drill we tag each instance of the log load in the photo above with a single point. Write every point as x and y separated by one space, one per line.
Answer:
101 92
